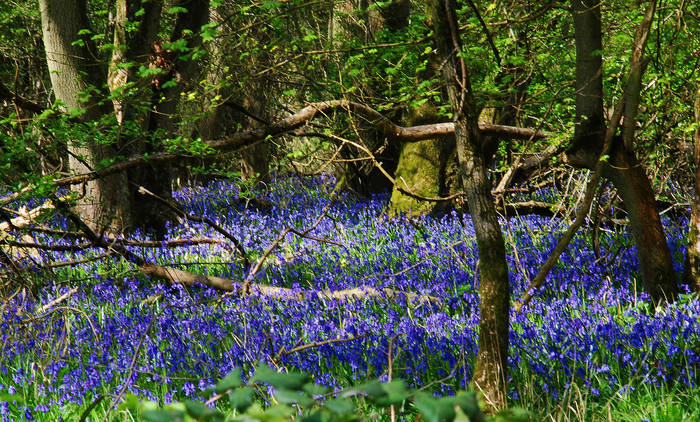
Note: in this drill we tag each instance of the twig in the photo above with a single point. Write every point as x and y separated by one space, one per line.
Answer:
127 242
56 301
318 344
281 237
582 210
390 363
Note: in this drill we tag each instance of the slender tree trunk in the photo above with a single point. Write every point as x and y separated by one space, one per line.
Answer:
693 261
626 172
158 177
492 359
75 70
589 128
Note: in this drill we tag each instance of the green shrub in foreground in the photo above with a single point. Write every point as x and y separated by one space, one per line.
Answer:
296 397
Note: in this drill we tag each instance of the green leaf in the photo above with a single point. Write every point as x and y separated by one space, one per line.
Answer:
514 414
396 393
169 84
460 416
289 397
177 9
161 415
278 412
288 380
130 402
372 388
11 398
241 399
201 412
434 410
317 416
469 404
230 381
271 4
339 406
314 390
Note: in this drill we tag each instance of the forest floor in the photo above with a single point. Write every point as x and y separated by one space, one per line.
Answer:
588 347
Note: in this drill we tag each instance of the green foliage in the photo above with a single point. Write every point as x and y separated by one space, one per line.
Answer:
296 398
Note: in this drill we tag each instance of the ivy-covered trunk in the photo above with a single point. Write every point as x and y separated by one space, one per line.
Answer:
490 372
133 48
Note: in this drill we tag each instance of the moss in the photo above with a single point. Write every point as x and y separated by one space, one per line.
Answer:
421 171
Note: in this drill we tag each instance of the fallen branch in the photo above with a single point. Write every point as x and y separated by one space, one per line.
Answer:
283 351
24 217
6 94
56 301
187 278
527 207
281 237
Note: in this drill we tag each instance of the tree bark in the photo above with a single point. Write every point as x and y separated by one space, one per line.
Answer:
74 70
624 169
492 358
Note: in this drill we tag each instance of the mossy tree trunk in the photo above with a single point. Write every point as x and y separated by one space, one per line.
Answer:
490 372
421 168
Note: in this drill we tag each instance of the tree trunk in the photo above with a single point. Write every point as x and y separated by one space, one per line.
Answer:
589 128
136 47
248 99
75 70
255 160
492 358
656 266
157 178
693 260
626 172
421 167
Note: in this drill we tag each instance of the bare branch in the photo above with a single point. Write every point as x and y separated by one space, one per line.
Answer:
250 137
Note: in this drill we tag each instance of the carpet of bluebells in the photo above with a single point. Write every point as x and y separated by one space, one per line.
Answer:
589 326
